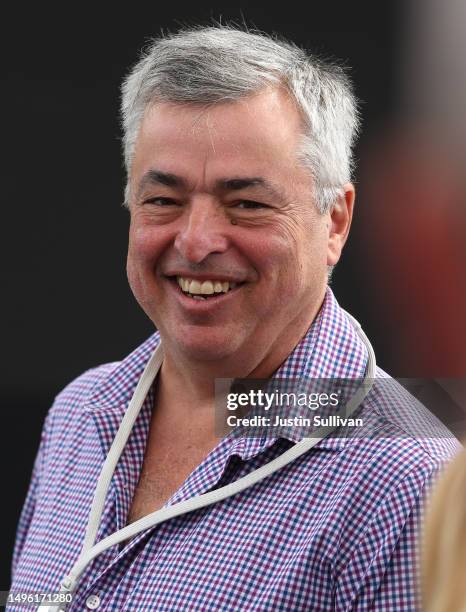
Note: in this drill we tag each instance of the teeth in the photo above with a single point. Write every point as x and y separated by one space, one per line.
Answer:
207 287
195 287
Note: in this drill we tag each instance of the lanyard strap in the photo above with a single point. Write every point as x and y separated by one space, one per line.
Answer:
90 551
118 444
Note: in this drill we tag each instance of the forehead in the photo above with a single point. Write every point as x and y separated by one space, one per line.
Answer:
257 135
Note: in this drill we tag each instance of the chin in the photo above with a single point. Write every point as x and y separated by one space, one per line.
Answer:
203 351
204 344
206 354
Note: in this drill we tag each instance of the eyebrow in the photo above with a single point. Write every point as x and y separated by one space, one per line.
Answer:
157 177
236 184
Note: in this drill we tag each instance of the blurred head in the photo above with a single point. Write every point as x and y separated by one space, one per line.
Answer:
238 156
444 559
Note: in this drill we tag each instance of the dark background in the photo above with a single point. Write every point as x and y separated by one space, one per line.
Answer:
66 304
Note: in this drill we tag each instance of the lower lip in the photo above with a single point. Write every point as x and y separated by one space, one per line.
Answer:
202 305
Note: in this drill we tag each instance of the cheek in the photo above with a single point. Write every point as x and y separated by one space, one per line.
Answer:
143 252
299 253
289 245
142 243
295 229
147 244
135 278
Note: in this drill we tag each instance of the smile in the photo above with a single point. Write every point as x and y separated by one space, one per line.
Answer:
203 290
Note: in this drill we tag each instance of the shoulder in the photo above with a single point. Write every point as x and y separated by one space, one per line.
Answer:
79 390
107 385
403 429
399 445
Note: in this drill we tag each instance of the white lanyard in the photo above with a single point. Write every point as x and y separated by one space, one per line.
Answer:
90 550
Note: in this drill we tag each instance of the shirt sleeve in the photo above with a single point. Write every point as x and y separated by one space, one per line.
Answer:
27 512
383 571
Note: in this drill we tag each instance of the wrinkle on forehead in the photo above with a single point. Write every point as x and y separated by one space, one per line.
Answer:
258 135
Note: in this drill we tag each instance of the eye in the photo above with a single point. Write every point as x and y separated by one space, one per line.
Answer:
161 202
250 205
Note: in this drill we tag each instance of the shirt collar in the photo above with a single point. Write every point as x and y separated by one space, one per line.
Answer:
117 389
330 348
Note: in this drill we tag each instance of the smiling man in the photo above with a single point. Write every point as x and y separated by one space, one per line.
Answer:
217 196
238 152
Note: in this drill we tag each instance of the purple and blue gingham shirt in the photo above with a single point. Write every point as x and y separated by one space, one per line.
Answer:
336 529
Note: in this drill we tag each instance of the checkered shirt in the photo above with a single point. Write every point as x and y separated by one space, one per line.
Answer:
336 529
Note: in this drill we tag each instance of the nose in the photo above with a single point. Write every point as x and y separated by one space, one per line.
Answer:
202 231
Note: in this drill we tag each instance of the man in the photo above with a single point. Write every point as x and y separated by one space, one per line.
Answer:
238 152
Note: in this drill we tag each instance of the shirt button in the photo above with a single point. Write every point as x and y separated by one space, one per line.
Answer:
93 602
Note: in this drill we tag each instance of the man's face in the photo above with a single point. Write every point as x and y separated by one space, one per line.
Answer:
219 202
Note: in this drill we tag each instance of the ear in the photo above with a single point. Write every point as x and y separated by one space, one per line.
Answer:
339 222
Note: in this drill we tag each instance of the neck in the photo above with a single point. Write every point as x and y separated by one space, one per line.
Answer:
191 382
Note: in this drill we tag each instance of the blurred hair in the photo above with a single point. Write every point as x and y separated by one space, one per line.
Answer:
218 64
444 558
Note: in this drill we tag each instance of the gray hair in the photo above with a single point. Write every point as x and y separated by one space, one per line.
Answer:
208 65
